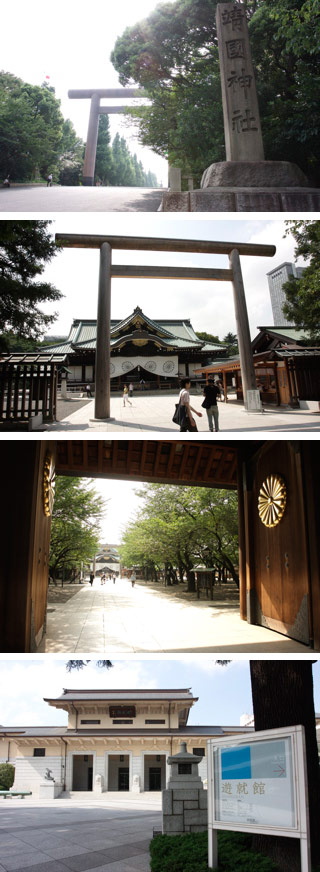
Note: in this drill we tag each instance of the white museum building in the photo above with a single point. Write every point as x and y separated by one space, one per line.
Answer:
115 740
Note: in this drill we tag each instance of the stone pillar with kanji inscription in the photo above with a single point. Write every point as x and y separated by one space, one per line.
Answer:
242 128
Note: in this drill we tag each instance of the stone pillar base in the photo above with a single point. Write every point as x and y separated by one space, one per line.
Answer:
100 420
254 174
49 789
241 199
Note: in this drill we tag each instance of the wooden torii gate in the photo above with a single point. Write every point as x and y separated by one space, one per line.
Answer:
95 95
136 243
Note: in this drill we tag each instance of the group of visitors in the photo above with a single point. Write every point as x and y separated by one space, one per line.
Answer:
111 577
211 392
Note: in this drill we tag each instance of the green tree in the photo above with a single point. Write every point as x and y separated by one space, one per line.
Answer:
104 170
6 776
25 249
31 129
71 157
302 306
231 340
180 527
208 337
75 534
174 55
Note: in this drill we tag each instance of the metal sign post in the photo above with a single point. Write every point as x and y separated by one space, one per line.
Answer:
258 784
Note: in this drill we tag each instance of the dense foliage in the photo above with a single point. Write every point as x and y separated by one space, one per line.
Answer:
302 306
189 853
115 165
35 140
6 776
174 55
75 533
178 528
25 249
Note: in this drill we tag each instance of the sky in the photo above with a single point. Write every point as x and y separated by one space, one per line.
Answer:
71 43
224 692
209 305
121 506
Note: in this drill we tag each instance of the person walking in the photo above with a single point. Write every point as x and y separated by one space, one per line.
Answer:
88 391
187 422
142 383
91 578
103 578
49 180
130 389
210 392
125 395
133 579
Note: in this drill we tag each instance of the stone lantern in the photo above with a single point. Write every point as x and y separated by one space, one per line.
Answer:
184 802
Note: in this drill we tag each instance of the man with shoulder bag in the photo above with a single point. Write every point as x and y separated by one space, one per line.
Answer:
210 392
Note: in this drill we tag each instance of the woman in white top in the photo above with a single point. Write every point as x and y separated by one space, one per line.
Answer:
187 422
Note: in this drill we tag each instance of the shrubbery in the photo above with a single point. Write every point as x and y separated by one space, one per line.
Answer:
6 776
189 853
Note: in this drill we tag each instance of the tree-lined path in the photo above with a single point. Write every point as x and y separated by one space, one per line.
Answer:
118 618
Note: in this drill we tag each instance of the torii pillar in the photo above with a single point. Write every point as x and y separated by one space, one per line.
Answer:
93 126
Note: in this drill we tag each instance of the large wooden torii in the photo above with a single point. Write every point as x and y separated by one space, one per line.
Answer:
137 243
95 95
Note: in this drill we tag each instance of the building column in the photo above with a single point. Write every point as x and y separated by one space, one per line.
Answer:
92 139
224 376
244 339
102 381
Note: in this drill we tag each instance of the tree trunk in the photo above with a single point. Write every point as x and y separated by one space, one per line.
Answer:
282 692
191 581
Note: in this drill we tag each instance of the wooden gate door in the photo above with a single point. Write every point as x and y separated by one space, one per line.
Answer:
284 389
278 573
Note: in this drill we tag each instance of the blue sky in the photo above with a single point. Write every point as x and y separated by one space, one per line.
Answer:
224 692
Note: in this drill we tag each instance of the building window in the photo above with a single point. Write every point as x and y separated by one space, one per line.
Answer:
199 752
90 722
39 752
154 721
121 758
122 722
158 758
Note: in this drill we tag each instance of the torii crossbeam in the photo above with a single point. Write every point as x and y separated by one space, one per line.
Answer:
95 94
138 243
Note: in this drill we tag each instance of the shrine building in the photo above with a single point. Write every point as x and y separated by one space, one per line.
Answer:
115 740
157 351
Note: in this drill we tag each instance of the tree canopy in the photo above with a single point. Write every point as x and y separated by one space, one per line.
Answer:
25 249
173 54
302 306
179 527
75 533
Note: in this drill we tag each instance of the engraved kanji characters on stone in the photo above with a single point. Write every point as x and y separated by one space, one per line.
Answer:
243 81
235 48
243 122
233 17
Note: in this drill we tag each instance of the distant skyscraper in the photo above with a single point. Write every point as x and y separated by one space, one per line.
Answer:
276 279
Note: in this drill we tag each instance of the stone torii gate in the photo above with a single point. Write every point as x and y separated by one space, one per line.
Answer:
95 94
135 243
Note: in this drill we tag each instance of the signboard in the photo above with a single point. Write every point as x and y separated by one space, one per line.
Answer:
257 783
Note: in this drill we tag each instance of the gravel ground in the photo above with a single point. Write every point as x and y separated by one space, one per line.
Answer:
58 594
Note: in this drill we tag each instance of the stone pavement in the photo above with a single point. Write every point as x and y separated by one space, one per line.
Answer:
116 618
154 412
39 198
79 834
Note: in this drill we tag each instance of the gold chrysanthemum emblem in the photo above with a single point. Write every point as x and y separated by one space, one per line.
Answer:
48 485
272 500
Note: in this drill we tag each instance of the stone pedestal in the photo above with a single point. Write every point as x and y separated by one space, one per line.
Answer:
184 803
240 199
64 386
50 789
136 784
98 784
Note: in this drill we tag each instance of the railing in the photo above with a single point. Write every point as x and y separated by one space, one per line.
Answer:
27 390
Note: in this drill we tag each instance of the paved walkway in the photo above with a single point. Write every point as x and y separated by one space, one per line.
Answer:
154 412
116 618
77 834
39 198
